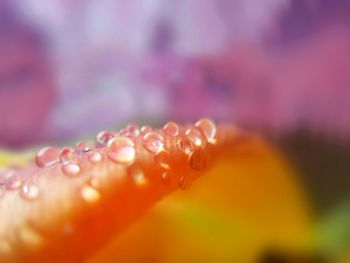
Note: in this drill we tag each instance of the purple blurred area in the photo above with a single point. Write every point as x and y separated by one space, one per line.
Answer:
71 68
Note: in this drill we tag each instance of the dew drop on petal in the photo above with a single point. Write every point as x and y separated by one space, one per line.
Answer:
198 160
103 138
171 129
70 169
67 155
90 194
47 156
145 129
195 136
167 178
184 145
184 183
94 157
153 142
208 128
82 147
121 150
29 191
137 175
162 158
11 180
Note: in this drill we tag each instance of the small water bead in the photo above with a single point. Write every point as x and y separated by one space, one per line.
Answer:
11 180
29 191
195 136
184 145
198 160
153 142
132 130
103 138
67 155
145 129
71 169
47 156
171 129
90 194
137 174
163 159
208 127
184 183
167 178
82 147
121 150
94 157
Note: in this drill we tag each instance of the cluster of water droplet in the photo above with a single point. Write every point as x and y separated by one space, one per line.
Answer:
191 141
119 147
10 180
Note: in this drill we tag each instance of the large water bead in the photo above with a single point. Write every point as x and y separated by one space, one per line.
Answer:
47 156
67 155
208 128
121 150
153 142
171 129
195 136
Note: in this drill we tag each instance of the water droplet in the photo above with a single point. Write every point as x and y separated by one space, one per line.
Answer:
184 145
29 191
167 178
145 129
67 155
198 160
163 159
95 157
82 147
137 174
171 129
90 194
184 183
121 149
10 180
47 156
208 128
132 130
70 169
195 136
153 142
103 138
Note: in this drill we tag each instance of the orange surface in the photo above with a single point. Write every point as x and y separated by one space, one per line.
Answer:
248 201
